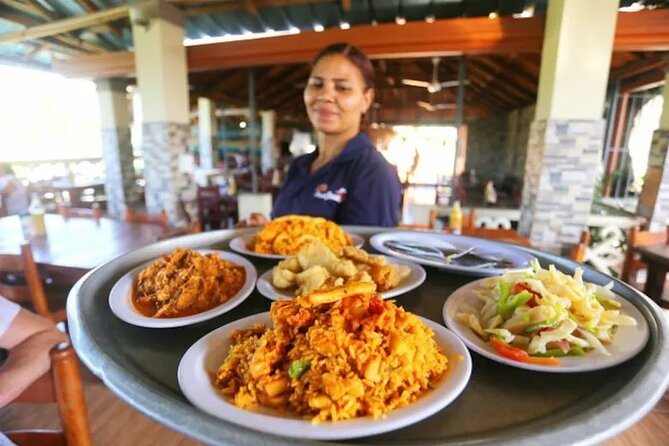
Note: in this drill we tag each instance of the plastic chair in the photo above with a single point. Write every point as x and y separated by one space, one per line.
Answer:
637 238
62 385
25 285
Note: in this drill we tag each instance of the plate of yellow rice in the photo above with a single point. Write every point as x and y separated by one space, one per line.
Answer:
332 365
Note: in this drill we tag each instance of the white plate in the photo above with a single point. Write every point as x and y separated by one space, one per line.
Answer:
627 341
415 279
204 357
238 244
519 259
120 297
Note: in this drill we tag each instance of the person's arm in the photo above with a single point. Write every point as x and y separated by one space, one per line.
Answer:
29 340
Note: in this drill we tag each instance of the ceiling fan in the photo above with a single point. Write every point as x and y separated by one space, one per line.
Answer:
434 85
435 107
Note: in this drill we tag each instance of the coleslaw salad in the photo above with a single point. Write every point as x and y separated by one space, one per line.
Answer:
538 315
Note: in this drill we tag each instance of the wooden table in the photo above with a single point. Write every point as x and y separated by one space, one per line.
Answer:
657 259
73 246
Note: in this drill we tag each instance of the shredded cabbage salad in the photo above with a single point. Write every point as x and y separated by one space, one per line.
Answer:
537 315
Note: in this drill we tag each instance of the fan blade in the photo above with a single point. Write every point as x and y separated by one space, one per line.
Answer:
448 84
426 105
415 83
443 106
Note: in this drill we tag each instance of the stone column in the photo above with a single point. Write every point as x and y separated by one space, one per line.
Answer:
268 151
162 78
567 134
207 133
654 198
117 154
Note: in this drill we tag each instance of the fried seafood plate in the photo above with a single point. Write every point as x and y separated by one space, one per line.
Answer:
318 267
185 283
332 355
289 234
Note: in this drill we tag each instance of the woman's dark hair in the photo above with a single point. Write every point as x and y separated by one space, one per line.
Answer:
354 55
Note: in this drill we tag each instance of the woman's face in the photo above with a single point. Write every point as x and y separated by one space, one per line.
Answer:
336 95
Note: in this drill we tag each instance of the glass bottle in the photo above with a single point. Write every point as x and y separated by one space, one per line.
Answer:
37 210
455 219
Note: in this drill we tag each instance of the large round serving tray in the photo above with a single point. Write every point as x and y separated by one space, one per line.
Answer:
501 404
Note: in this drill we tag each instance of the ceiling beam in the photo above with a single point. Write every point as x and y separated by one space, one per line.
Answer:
645 81
219 7
88 6
636 67
415 39
65 25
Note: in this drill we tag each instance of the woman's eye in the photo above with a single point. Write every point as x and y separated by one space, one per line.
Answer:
342 88
315 85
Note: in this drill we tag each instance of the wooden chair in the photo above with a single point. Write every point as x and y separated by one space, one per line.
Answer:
61 385
136 217
215 210
93 212
502 235
637 238
26 286
578 251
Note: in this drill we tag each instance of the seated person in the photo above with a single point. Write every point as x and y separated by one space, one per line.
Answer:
29 339
13 194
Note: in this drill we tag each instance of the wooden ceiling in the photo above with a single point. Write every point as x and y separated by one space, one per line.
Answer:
495 84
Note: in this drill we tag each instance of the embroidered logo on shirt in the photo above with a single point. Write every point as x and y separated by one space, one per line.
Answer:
322 192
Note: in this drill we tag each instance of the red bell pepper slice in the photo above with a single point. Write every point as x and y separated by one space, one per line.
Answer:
517 354
520 287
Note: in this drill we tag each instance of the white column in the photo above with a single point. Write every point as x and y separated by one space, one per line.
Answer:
115 119
567 134
207 133
267 142
160 60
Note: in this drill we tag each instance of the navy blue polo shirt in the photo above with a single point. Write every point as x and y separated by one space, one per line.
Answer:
357 187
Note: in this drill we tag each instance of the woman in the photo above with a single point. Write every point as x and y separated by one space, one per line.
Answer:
346 179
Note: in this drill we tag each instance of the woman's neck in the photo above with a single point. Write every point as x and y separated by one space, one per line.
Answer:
329 146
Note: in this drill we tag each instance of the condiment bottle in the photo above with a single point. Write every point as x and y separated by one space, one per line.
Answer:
455 219
37 210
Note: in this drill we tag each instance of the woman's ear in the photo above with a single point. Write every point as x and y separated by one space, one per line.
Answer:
369 99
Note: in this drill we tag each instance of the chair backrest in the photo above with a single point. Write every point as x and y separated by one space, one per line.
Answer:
212 211
502 235
62 385
579 250
137 217
93 212
27 289
637 238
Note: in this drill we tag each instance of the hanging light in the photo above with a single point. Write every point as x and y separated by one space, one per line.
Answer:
242 124
493 15
430 18
400 20
319 28
344 24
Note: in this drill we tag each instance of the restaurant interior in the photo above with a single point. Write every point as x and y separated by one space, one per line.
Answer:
534 127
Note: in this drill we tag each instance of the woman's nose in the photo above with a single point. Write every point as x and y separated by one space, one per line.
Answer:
326 93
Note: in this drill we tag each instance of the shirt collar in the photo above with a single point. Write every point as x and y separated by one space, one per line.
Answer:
351 150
